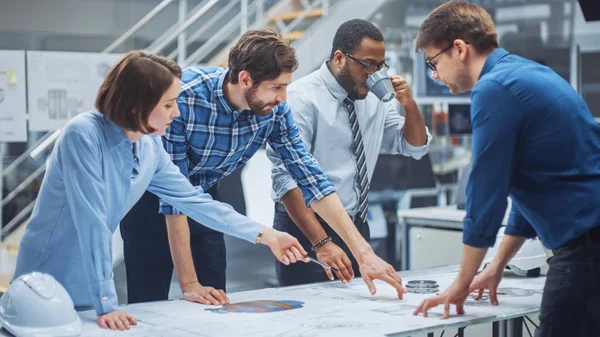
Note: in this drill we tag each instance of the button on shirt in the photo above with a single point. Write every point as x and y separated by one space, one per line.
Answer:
93 178
535 139
210 139
317 103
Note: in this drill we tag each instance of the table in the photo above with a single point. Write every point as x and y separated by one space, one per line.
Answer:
327 309
439 217
445 218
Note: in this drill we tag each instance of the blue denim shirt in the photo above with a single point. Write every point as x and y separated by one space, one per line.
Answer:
534 139
94 176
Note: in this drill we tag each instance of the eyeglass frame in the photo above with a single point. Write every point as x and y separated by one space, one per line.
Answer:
431 66
379 67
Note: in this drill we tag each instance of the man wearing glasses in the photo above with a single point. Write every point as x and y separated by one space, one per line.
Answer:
345 128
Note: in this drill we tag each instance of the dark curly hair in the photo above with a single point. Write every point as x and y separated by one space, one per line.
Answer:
350 34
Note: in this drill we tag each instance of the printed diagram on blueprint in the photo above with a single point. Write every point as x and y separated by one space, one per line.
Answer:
326 309
62 85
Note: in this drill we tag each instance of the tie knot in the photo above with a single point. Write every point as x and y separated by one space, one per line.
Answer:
349 103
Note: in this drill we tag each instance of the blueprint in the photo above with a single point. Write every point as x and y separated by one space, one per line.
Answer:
324 309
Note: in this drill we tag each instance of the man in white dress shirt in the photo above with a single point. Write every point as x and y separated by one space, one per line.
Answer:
345 127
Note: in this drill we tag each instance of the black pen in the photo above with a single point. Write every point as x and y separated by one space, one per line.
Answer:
321 263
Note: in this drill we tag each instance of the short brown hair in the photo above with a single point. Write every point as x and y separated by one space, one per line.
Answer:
264 53
133 87
458 20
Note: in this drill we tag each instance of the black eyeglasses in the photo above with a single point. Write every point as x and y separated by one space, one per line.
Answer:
369 68
432 66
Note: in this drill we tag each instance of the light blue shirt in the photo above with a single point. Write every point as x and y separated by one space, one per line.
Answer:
93 178
317 103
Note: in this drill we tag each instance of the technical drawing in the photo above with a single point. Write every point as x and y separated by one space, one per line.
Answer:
258 307
59 106
397 310
520 292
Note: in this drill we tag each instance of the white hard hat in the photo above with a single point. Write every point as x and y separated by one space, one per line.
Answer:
526 262
36 305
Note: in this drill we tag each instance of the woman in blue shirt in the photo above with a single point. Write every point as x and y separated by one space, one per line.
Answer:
102 163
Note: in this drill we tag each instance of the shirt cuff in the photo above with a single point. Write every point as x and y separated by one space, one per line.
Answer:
167 209
104 296
517 225
475 239
516 231
417 152
280 188
308 199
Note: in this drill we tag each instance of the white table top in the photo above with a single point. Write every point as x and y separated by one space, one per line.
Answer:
326 309
442 213
442 216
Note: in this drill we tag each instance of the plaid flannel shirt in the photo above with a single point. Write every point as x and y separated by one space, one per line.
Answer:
210 139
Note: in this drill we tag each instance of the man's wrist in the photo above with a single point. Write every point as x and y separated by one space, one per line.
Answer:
410 103
320 243
187 283
496 265
363 253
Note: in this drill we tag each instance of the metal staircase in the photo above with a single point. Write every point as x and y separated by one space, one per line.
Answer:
201 35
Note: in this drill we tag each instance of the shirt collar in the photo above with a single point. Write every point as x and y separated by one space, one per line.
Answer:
492 60
219 96
115 135
331 83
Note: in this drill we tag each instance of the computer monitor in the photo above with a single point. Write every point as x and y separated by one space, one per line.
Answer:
459 119
398 172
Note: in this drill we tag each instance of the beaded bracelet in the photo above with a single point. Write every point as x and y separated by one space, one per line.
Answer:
320 243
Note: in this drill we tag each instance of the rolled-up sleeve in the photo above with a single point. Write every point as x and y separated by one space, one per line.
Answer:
287 144
84 186
175 143
496 119
518 225
393 136
302 111
171 186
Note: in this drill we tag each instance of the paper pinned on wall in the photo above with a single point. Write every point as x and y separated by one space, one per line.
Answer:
11 76
13 99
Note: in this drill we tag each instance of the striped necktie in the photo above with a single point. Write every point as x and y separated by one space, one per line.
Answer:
359 153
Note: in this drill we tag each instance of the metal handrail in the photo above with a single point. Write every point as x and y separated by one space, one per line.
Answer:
208 46
175 26
16 220
229 28
272 12
23 185
137 26
159 45
301 17
215 18
13 165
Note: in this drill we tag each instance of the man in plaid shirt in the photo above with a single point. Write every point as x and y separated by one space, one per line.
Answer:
227 114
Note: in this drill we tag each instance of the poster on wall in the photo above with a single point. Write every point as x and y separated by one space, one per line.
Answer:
62 85
13 108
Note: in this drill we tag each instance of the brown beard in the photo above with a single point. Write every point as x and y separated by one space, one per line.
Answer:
257 106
